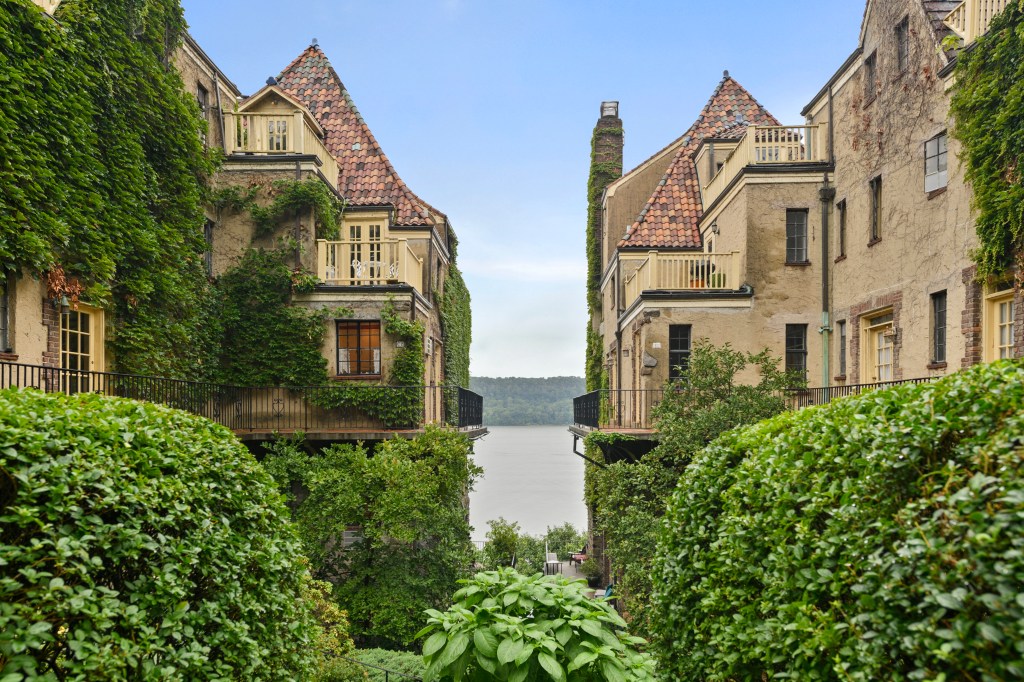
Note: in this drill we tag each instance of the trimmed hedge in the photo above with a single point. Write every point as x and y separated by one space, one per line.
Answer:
877 538
404 662
139 542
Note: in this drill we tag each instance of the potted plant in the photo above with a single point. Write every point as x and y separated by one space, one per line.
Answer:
592 571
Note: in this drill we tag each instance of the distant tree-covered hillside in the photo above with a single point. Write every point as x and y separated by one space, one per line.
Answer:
514 401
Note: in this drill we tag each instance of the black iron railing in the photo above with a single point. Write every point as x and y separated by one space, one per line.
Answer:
336 407
632 409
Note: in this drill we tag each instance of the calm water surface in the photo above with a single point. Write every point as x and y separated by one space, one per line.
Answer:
530 476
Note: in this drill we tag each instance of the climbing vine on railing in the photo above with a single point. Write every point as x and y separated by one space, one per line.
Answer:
84 96
287 198
988 108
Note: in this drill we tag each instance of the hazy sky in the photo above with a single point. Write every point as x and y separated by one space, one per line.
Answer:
486 108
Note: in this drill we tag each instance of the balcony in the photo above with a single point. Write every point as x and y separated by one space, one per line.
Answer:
684 272
971 19
768 146
368 263
340 411
277 135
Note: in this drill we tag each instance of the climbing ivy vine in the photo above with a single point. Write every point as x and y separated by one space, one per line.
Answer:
287 198
456 324
92 92
988 107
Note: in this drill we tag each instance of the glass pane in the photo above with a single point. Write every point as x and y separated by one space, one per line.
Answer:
83 322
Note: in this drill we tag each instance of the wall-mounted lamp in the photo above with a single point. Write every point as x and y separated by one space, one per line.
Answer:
62 304
714 227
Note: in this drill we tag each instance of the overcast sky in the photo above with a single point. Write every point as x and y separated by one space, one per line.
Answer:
486 109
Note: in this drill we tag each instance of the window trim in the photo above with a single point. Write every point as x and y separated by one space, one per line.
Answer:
873 322
939 347
841 333
377 358
990 323
802 249
875 195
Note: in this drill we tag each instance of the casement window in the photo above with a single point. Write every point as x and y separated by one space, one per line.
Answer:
876 209
998 325
903 45
870 77
796 235
879 349
939 327
936 175
841 227
208 253
842 347
796 350
365 255
679 337
81 347
358 347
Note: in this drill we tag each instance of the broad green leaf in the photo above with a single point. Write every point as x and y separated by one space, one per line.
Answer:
434 643
509 649
485 641
551 666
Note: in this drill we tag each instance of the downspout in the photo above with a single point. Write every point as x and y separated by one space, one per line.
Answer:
220 111
618 339
827 194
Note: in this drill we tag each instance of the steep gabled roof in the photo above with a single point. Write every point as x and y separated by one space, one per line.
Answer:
669 220
366 176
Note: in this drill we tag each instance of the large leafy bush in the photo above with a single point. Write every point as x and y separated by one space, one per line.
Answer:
507 626
139 542
877 538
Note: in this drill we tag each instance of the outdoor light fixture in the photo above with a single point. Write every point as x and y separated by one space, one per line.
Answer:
61 304
714 227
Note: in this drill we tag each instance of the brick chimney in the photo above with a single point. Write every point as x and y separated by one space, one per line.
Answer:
607 140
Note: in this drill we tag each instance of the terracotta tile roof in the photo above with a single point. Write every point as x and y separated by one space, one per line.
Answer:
367 177
669 220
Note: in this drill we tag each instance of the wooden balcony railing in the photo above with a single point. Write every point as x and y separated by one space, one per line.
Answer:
765 146
247 133
684 272
971 19
352 263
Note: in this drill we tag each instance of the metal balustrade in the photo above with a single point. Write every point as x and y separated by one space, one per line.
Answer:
336 407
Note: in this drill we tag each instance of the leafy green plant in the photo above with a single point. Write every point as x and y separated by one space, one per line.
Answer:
404 662
140 542
402 512
564 540
456 324
507 626
875 538
331 641
987 107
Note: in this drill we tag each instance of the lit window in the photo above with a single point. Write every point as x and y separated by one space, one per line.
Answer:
796 350
880 358
903 45
678 350
876 209
796 236
939 327
935 159
358 347
842 348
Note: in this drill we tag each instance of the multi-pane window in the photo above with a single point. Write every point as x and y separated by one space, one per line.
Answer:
842 348
796 236
876 209
679 336
841 227
365 252
903 45
999 329
935 163
870 77
796 350
81 346
358 347
880 351
939 327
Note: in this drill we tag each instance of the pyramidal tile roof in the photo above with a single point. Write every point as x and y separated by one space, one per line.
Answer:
669 219
366 176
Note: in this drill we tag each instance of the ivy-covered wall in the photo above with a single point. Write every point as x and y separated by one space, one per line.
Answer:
456 324
83 96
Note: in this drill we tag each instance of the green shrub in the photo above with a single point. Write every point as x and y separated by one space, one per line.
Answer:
507 626
139 542
404 662
876 538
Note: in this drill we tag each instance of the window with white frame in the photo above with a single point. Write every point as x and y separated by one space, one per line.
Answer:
938 327
1000 316
879 346
935 163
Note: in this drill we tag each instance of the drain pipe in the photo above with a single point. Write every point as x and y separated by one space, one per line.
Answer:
827 194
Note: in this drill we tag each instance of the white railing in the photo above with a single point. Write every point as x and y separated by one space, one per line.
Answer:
971 19
684 272
768 145
351 263
247 133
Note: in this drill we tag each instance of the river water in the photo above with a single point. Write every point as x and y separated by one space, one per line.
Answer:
531 476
